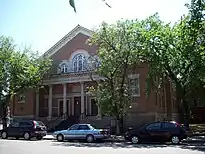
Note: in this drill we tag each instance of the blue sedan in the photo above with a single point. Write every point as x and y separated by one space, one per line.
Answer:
81 132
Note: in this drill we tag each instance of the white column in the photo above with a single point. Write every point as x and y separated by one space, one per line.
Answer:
82 98
50 102
64 99
37 103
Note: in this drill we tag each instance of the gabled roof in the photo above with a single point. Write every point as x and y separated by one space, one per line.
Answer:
67 38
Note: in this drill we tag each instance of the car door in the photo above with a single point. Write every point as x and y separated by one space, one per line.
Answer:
13 129
167 129
70 133
82 131
25 126
154 131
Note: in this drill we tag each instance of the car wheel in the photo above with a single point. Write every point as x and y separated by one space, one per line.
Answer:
39 137
175 139
26 136
4 135
135 139
90 138
60 137
17 138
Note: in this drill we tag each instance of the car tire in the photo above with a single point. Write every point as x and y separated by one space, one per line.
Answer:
39 137
4 135
175 139
90 138
60 138
26 136
135 139
17 138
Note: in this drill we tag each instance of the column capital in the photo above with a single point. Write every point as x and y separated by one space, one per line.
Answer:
50 85
81 82
64 84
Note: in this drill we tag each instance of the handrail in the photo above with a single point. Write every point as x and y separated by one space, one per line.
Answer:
53 121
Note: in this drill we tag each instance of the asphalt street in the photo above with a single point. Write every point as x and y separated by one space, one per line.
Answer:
54 147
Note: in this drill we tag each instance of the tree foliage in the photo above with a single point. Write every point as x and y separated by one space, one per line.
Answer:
117 51
177 52
19 70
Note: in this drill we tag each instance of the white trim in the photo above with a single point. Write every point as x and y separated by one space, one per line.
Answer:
135 76
67 38
66 106
75 79
79 51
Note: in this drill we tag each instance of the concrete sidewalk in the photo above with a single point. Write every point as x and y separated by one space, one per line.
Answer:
195 139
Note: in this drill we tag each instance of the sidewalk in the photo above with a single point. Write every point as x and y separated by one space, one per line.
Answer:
118 139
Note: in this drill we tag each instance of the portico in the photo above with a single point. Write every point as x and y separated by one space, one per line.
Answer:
67 98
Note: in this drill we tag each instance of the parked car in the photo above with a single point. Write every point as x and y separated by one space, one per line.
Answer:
81 132
26 129
157 132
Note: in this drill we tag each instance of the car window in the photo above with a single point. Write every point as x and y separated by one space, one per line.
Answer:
39 123
14 124
25 124
168 125
83 127
153 126
74 127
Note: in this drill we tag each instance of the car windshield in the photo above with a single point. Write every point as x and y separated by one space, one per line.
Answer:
91 127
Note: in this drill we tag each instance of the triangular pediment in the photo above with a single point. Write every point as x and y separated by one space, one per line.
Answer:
67 38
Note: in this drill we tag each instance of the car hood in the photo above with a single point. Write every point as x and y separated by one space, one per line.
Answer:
60 131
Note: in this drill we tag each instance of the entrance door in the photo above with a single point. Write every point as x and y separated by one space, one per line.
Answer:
61 108
94 107
77 106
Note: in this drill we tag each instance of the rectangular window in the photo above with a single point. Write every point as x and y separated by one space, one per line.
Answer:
22 98
134 85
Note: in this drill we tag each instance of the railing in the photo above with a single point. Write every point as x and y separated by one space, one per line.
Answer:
63 117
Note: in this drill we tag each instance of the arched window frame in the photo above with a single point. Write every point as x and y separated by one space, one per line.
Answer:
79 62
64 68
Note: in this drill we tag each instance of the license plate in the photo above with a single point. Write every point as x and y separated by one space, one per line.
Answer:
41 132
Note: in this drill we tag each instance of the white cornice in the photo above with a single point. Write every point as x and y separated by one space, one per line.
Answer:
68 37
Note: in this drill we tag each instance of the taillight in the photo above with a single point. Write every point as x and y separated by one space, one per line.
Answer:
34 125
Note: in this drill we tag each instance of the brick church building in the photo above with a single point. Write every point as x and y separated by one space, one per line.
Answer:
64 92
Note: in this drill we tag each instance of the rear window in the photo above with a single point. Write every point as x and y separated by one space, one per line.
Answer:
39 123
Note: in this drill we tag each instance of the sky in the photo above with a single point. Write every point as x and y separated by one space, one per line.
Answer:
39 24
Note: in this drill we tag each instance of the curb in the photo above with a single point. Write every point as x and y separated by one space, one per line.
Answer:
121 141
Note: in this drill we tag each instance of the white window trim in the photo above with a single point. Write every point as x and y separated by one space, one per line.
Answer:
64 62
22 101
63 67
135 76
83 58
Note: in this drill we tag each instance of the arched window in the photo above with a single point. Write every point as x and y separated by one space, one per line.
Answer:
64 68
79 63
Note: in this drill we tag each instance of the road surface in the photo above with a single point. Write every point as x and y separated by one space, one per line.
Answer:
53 147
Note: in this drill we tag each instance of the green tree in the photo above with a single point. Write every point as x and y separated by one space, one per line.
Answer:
177 53
117 51
19 71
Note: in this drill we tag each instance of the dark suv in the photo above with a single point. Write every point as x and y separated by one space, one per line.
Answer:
157 132
26 129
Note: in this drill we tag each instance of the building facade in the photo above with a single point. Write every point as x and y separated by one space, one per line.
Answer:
64 91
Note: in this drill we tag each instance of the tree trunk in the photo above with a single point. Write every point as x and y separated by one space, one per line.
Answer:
4 116
186 113
119 125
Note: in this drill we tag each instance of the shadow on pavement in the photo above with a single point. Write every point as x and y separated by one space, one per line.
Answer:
198 147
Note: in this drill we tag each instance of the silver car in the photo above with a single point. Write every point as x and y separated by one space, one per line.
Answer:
81 132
